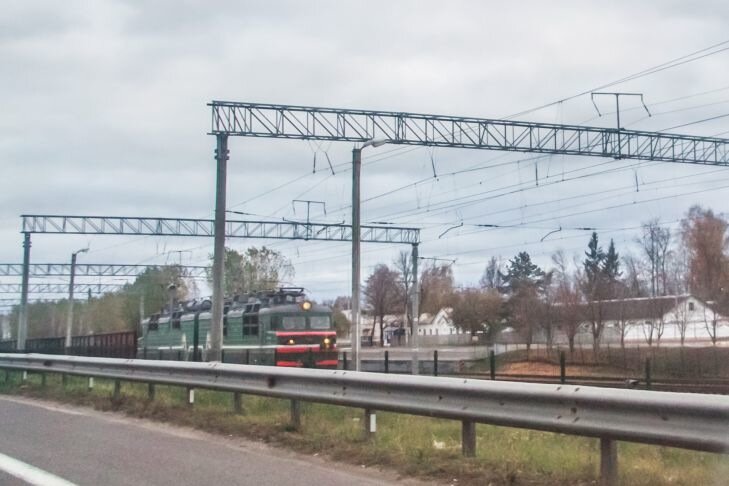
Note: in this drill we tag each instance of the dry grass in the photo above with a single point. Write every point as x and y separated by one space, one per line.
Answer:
414 446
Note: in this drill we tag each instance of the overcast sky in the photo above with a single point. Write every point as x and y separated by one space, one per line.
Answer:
104 113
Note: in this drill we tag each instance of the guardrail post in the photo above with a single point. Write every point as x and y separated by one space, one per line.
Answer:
117 390
608 462
150 391
190 396
237 402
648 373
7 376
492 364
468 438
90 385
43 379
387 361
562 368
295 415
344 360
24 376
435 362
370 423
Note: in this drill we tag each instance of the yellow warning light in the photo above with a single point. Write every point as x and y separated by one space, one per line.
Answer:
306 305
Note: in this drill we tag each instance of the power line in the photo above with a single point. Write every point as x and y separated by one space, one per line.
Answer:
652 70
696 122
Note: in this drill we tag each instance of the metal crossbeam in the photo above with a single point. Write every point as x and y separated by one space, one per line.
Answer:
91 270
11 288
109 225
310 123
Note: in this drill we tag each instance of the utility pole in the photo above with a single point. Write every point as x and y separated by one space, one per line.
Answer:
416 311
356 326
69 320
23 317
216 326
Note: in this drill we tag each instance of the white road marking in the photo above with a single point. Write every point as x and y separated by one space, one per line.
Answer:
30 474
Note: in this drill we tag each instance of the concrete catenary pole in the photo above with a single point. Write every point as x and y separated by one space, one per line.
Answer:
23 317
216 326
356 326
355 333
69 318
416 311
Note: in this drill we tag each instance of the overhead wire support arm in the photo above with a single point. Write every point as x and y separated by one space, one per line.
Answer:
11 288
334 124
288 230
92 269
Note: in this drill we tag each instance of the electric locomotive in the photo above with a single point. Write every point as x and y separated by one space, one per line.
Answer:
277 327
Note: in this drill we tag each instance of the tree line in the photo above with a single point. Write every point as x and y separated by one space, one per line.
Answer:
517 293
529 299
248 271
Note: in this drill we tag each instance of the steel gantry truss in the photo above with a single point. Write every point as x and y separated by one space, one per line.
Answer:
110 225
334 124
142 226
47 288
91 270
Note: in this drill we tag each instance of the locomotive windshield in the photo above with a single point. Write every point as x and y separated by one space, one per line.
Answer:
319 322
299 322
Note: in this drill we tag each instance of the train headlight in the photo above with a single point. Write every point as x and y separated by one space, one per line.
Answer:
306 305
291 341
327 341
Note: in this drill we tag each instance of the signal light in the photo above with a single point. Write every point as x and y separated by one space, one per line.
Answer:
306 305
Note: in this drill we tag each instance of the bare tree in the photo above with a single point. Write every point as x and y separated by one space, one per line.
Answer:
436 287
491 278
633 276
711 321
403 264
655 242
681 314
477 310
622 320
705 241
382 293
568 308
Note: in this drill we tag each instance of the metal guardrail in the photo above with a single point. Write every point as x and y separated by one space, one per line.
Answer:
690 421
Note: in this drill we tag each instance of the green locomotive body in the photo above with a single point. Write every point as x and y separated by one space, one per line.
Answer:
279 328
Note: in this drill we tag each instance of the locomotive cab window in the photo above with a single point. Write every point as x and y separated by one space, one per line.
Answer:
319 322
288 323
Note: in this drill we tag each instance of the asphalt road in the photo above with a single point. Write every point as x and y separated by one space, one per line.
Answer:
86 447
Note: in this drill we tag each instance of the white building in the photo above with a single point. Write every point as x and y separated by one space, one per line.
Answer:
654 319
